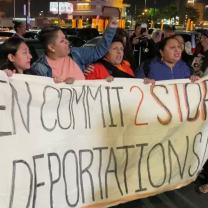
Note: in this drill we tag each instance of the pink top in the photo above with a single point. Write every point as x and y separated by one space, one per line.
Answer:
65 68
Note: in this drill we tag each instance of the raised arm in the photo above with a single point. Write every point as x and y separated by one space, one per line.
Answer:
87 55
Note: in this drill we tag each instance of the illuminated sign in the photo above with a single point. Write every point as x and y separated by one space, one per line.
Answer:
61 7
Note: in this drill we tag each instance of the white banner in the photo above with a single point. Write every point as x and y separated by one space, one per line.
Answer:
97 144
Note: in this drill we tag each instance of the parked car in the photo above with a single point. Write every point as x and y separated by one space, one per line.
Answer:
75 41
31 35
5 35
83 33
92 42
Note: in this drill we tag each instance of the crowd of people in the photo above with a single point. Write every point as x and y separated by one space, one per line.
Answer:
160 56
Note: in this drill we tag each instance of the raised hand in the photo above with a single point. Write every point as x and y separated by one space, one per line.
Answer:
113 22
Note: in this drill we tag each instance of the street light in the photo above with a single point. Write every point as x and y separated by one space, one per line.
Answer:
41 13
145 4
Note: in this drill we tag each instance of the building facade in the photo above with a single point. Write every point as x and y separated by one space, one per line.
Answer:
101 8
200 7
98 12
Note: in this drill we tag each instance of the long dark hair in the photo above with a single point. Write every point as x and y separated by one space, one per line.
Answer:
10 46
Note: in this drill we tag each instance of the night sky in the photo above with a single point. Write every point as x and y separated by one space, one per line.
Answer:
38 5
157 3
150 3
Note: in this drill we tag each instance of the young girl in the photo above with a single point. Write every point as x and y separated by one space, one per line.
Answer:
17 56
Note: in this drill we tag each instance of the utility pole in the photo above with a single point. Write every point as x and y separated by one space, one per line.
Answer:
14 9
154 6
28 14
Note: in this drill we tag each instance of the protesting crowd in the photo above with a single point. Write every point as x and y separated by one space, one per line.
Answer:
163 55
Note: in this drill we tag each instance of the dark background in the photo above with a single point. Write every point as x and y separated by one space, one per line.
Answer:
43 5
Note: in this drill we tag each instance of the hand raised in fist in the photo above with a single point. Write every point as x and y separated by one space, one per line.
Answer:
113 22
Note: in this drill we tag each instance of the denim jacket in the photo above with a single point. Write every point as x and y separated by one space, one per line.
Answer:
83 56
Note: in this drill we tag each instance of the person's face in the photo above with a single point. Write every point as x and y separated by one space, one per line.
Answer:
115 53
172 51
22 58
138 31
157 36
21 29
60 47
204 42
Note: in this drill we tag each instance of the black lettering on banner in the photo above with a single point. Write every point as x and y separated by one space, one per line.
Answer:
43 105
70 113
36 184
112 159
98 92
205 151
160 146
100 149
77 99
138 108
197 136
204 99
26 121
15 162
112 124
3 107
169 118
139 167
119 103
126 149
187 102
3 81
86 170
72 152
53 180
4 133
171 149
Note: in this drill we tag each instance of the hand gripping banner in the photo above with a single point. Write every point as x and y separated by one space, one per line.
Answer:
97 144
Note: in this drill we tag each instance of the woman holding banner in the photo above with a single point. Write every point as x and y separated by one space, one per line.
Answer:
58 64
112 65
169 66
